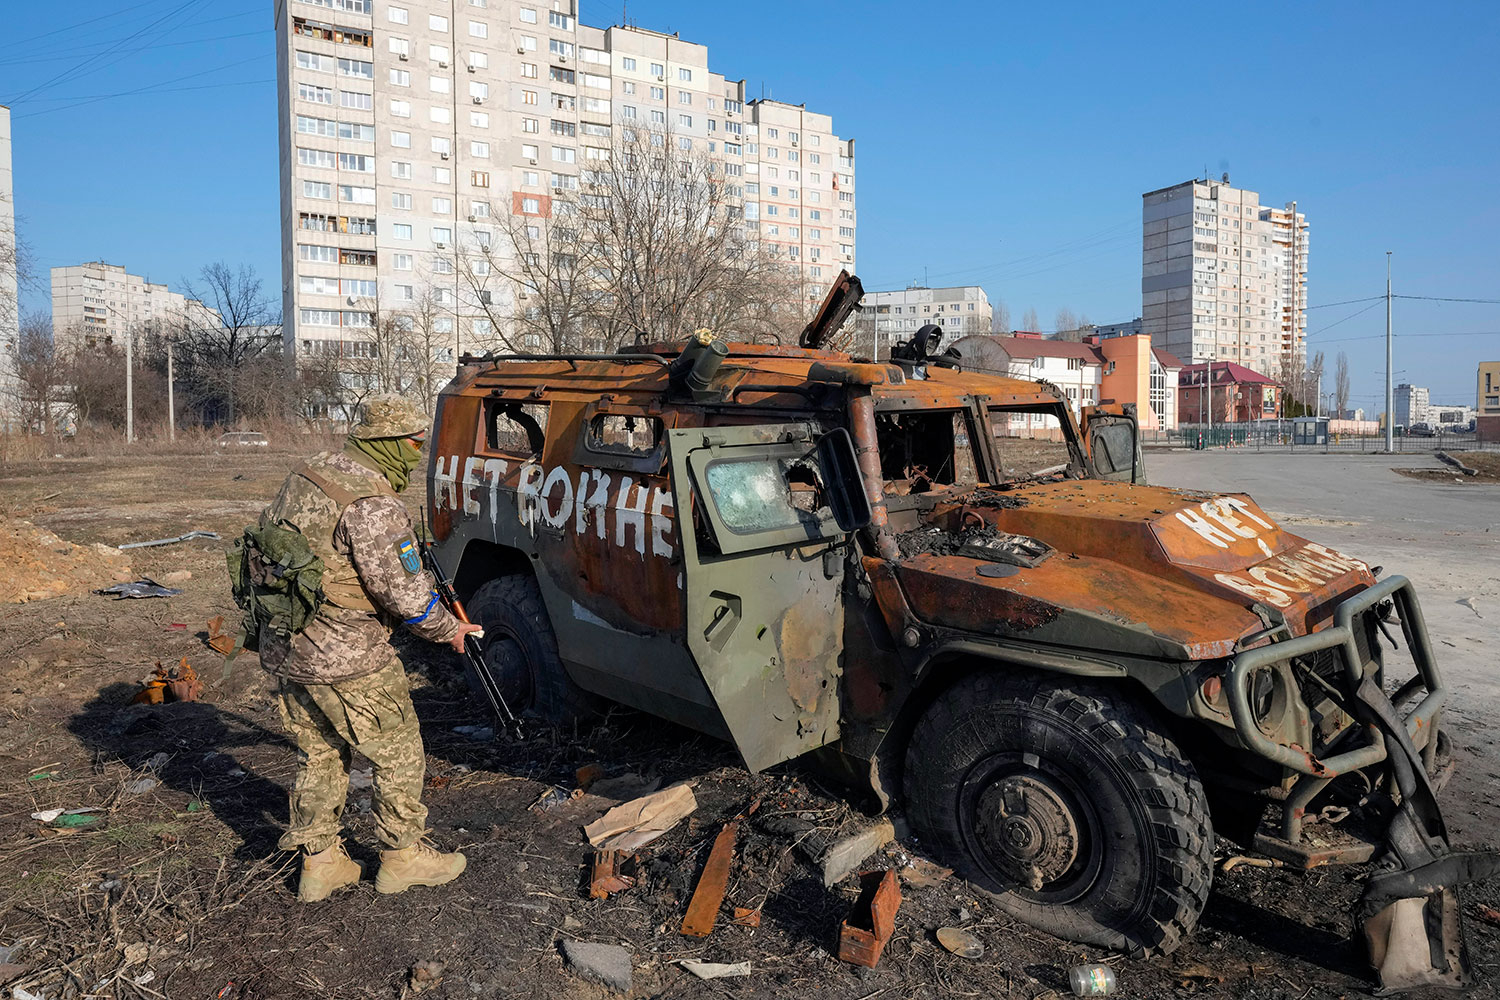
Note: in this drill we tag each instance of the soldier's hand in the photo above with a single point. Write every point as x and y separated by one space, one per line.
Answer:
464 628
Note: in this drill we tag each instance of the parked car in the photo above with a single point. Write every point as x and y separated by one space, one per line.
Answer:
1421 431
243 439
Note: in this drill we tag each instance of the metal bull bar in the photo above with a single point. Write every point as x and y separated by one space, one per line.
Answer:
1421 722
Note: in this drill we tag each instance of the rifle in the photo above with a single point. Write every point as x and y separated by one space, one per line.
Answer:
472 650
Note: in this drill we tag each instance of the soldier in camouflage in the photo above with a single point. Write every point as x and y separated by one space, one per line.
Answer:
342 686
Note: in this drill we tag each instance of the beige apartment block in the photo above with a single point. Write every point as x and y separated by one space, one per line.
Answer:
99 303
10 303
414 129
888 317
1223 278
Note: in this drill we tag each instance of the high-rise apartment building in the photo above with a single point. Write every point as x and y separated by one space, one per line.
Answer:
99 303
1224 278
887 317
10 302
1413 405
412 129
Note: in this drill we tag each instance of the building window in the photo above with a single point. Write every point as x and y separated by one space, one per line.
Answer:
401 261
437 22
401 109
401 231
315 94
559 20
528 97
531 206
627 63
528 15
480 178
478 29
658 70
317 189
401 200
400 170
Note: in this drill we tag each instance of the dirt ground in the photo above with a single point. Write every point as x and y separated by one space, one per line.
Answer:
175 887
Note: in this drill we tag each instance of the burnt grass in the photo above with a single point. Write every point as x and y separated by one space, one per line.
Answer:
178 890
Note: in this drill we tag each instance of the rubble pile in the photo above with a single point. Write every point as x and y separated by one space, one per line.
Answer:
38 564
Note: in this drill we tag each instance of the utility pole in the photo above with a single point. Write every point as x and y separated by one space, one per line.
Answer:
1210 374
171 408
1390 394
129 385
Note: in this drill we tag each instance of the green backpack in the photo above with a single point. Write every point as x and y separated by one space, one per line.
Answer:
276 580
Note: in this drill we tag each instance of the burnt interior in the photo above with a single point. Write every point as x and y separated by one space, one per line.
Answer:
923 451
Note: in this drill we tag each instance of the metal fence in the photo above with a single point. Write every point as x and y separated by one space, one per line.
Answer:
1267 435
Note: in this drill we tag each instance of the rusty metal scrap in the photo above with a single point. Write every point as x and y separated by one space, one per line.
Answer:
609 874
870 924
709 896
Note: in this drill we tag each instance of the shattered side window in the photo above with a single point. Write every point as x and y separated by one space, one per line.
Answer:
624 434
1029 442
515 428
765 494
924 450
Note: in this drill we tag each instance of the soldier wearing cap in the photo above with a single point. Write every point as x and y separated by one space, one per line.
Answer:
342 687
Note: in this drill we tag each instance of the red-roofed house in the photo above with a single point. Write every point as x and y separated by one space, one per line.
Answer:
1239 394
1113 370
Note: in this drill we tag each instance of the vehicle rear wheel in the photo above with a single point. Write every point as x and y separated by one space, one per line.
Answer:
1067 801
520 649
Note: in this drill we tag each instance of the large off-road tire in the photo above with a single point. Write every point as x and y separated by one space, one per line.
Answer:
1066 800
521 651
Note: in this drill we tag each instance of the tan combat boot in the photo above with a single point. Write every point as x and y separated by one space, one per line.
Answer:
328 870
419 864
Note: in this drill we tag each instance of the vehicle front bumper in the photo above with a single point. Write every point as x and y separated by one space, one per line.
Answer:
1422 721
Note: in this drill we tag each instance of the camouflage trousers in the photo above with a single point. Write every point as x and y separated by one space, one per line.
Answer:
374 715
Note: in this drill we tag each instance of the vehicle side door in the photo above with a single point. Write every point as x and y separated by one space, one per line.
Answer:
765 514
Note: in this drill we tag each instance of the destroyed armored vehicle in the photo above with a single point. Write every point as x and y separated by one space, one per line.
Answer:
935 585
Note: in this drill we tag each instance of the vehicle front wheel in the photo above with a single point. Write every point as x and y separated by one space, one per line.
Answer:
520 649
1069 802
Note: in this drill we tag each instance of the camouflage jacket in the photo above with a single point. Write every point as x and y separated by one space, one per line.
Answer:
362 530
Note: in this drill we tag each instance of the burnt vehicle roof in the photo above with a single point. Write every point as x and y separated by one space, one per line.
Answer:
749 370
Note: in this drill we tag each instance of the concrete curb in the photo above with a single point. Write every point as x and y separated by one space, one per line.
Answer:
1457 463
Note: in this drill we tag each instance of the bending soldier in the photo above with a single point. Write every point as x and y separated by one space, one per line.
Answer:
342 686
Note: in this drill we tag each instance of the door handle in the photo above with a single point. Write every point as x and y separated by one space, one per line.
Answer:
726 618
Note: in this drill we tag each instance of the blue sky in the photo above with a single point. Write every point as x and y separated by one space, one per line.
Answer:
1000 144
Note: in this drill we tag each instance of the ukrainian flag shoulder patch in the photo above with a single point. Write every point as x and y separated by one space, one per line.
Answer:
410 559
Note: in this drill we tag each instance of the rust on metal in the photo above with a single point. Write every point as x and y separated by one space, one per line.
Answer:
746 917
609 874
870 924
703 910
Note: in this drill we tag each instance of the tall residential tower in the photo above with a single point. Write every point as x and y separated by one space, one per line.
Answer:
409 126
1224 278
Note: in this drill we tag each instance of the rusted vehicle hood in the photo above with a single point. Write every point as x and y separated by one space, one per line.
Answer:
1165 572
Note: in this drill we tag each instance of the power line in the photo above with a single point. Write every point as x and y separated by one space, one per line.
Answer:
73 51
1330 326
156 88
1346 302
1439 298
82 24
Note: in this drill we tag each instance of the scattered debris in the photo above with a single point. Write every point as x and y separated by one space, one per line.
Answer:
135 953
42 776
144 587
56 816
1469 602
923 874
962 943
587 775
1489 915
870 924
141 786
554 797
1242 860
425 975
624 786
1091 980
169 541
479 734
361 778
605 963
217 640
9 968
746 917
178 683
178 576
609 874
843 856
714 970
634 824
703 910
20 994
158 760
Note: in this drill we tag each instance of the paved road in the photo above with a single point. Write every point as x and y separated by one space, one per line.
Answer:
1443 536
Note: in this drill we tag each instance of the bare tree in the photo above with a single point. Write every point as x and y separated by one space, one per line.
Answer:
1065 326
1341 384
247 327
40 376
999 317
1029 320
1313 382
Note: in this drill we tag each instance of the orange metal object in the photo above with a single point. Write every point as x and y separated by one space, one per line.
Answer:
607 876
869 926
745 917
709 896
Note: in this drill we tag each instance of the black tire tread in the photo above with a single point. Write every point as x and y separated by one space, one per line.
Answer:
1165 781
516 598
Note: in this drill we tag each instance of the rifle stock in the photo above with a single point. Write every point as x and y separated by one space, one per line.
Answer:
472 650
